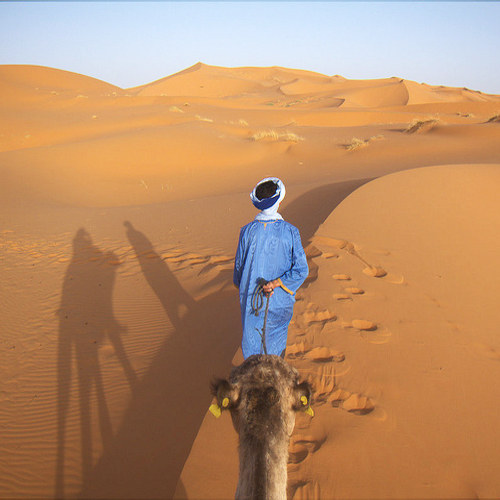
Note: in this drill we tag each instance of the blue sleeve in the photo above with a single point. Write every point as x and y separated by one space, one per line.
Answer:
238 261
299 270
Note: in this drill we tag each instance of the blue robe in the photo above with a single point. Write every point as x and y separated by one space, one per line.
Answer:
268 250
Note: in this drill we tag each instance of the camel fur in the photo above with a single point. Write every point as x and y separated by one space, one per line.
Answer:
263 395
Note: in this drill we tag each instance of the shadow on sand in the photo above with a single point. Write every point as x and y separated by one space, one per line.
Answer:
85 320
146 455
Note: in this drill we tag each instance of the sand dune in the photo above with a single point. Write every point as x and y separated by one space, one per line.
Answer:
202 80
120 210
400 350
241 83
40 80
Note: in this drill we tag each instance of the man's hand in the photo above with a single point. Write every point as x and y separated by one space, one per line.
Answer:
270 286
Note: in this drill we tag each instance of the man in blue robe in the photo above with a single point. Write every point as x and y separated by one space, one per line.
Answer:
270 265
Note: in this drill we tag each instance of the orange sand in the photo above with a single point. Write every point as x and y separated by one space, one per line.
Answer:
120 211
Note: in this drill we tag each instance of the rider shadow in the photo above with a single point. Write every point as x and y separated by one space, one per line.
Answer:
86 319
147 454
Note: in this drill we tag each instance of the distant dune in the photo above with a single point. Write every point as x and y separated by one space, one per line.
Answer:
241 83
120 211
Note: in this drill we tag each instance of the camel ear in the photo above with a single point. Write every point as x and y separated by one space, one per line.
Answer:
303 393
226 395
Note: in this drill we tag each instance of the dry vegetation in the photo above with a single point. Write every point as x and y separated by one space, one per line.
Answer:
203 119
357 143
275 135
175 109
241 122
419 124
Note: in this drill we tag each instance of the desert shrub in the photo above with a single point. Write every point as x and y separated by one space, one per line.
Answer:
241 122
203 119
418 124
275 135
356 143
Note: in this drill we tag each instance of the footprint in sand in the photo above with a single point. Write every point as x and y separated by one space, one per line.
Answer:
352 403
297 454
370 331
303 446
378 272
355 290
324 380
312 252
321 317
358 404
338 396
298 350
363 324
330 255
342 296
341 277
332 242
324 355
316 354
375 272
381 335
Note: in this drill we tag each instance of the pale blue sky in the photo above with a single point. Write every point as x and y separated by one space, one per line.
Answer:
132 43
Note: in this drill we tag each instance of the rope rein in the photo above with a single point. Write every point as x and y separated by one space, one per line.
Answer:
257 305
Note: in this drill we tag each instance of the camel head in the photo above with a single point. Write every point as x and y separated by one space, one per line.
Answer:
263 389
263 395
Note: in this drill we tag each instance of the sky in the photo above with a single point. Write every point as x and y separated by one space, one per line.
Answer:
136 42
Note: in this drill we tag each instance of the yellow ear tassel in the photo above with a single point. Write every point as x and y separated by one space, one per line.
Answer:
309 410
215 409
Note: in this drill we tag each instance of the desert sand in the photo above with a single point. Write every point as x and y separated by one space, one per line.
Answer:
120 211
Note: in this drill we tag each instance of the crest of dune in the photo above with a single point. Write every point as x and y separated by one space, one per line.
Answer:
424 94
15 79
202 80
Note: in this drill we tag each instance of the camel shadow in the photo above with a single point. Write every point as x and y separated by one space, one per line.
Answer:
146 455
86 319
